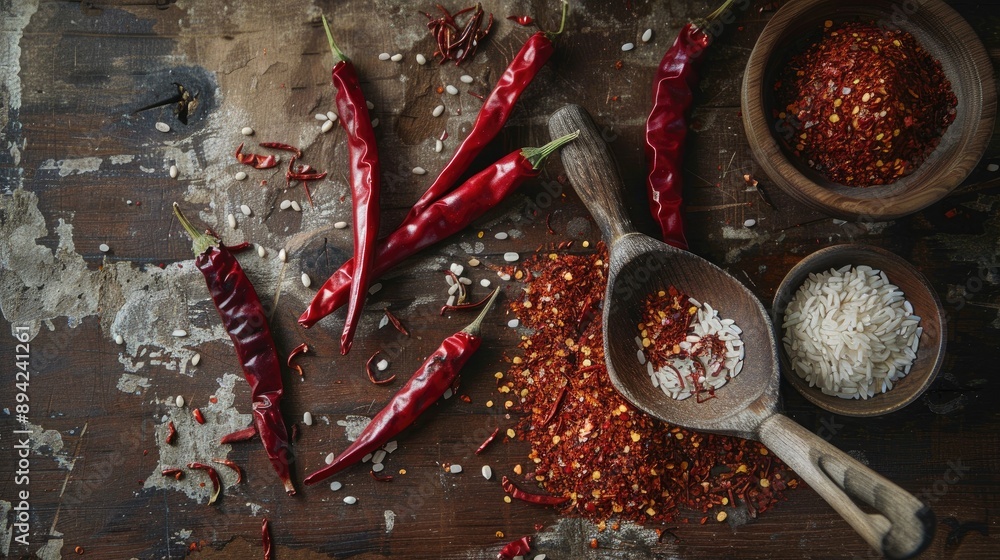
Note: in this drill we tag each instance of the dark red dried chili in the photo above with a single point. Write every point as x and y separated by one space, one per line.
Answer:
265 538
174 472
213 475
522 20
486 443
244 319
453 44
439 372
300 349
540 499
381 477
171 433
364 181
246 434
371 374
666 127
443 218
520 547
466 306
257 161
282 146
229 463
396 323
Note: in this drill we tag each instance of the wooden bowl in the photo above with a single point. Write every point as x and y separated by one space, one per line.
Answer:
938 29
919 293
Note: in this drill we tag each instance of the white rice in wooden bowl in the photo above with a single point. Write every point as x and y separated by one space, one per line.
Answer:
850 332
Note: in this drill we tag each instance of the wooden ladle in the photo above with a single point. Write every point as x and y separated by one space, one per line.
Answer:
747 406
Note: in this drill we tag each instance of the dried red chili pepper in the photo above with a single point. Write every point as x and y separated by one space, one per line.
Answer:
174 472
555 407
541 499
443 218
229 463
452 44
486 443
666 127
520 547
257 161
439 372
171 433
245 434
396 323
466 306
282 146
364 179
522 20
381 477
300 349
265 538
213 475
244 319
494 113
198 416
371 374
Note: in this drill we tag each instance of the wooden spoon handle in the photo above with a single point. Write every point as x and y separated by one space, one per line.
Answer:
592 170
903 527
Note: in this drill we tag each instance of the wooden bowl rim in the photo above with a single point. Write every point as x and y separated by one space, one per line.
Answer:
960 159
872 257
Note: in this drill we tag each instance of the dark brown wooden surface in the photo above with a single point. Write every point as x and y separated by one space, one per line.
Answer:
83 71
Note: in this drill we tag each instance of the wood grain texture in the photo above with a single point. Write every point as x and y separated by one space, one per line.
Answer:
939 29
86 68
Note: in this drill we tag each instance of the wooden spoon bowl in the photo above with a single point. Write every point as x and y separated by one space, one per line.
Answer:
747 406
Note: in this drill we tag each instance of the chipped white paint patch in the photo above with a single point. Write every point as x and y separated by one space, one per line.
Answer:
132 384
6 529
197 441
353 425
76 166
121 159
13 19
49 443
181 537
753 237
52 550
390 520
254 508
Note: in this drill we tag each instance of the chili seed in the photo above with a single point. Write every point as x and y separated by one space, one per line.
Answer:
246 131
327 126
451 89
473 262
421 59
396 57
306 281
467 79
261 251
179 401
350 500
384 56
438 111
335 486
119 340
647 35
511 257
501 235
721 516
162 126
179 333
232 221
173 172
455 469
438 146
240 175
246 210
750 223
419 170
295 206
627 47
321 117
285 204
487 472
307 418
510 431
484 283
282 255
196 359
104 248
331 116
340 225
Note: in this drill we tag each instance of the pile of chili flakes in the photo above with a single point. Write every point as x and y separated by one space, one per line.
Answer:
588 444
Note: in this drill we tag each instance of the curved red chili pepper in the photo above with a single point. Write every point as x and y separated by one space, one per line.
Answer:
494 113
443 218
265 538
245 434
171 433
231 464
365 183
486 443
541 499
244 319
213 475
439 372
666 127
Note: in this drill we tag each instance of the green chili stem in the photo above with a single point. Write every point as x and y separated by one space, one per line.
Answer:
338 55
718 11
562 22
473 327
199 241
537 155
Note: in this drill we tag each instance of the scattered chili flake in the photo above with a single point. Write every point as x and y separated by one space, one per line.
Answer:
229 463
257 161
482 447
522 20
594 543
863 105
171 433
176 473
245 434
645 465
371 374
520 547
198 416
79 550
265 538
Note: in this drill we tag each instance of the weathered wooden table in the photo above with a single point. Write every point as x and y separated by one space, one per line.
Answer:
81 165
